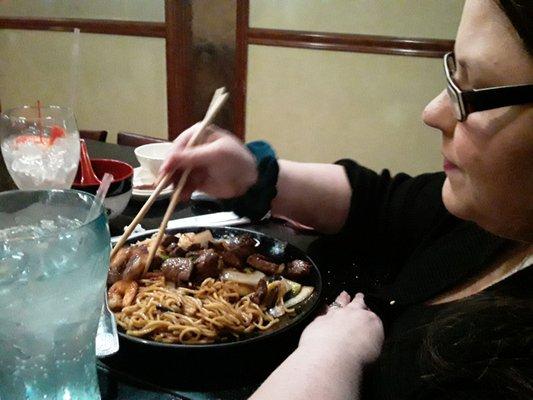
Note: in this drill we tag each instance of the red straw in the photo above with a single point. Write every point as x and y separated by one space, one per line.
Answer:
40 121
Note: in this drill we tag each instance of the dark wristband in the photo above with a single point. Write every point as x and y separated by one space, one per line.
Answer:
255 203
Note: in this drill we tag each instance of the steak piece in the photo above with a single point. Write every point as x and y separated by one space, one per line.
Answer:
174 250
206 265
241 246
177 269
231 259
170 246
138 256
260 262
260 292
168 240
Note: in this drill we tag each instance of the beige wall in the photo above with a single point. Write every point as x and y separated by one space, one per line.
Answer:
132 10
323 105
122 79
409 18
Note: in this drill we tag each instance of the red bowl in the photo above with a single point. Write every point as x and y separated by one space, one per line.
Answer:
119 192
119 169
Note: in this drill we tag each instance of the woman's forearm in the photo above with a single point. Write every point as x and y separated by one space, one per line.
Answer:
315 195
312 375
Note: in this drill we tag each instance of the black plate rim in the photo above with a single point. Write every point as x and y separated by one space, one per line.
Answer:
239 343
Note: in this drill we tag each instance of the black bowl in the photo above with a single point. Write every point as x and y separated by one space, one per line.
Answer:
218 365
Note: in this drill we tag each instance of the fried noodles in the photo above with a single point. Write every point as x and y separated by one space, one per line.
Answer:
212 311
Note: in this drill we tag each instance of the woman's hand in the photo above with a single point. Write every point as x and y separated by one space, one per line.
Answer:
221 167
333 351
224 168
348 329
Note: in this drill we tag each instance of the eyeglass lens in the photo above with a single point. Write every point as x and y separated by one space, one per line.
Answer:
450 63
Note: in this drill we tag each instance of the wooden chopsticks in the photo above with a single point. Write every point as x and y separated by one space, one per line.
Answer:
219 98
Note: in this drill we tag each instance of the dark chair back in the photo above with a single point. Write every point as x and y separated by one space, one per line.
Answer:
136 139
101 136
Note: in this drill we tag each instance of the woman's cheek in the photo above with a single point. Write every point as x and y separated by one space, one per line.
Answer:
486 124
479 126
467 148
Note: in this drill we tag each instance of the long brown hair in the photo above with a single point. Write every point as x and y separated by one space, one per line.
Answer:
520 13
480 348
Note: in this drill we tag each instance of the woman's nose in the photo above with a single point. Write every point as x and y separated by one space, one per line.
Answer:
439 114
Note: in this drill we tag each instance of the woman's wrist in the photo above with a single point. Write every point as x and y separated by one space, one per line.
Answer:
333 356
255 203
336 369
319 374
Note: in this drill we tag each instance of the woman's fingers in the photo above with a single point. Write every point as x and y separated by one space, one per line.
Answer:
194 182
199 156
180 143
359 301
229 168
196 156
342 300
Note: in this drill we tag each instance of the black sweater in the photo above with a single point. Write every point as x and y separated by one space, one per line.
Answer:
408 249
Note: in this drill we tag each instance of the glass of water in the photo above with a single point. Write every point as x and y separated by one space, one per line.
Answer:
53 268
40 146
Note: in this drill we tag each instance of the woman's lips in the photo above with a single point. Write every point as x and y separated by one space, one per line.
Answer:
449 166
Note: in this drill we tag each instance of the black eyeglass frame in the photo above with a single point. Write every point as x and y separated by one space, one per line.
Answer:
467 102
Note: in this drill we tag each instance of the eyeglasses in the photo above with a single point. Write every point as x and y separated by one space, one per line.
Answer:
467 102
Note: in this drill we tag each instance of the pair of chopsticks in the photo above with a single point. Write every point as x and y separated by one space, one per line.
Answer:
219 98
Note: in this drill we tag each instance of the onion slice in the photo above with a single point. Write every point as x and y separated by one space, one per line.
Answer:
305 292
250 279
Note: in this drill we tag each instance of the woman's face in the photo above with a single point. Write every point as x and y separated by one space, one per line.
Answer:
488 158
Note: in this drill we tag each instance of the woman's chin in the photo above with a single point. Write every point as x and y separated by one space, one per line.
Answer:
452 200
510 226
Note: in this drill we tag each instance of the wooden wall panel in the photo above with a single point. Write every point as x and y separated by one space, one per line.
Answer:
214 56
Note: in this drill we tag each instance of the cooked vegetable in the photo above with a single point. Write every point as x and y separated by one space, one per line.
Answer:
250 279
194 241
305 292
293 287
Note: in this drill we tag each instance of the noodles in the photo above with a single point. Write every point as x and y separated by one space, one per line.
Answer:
206 314
202 290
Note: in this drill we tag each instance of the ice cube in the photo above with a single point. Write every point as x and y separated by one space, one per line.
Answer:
21 231
48 225
68 223
13 266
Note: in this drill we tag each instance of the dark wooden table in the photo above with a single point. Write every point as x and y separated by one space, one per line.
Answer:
132 376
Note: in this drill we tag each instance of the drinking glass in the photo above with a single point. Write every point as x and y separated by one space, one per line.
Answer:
40 146
53 268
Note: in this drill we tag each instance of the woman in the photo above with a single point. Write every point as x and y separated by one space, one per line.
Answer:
453 250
